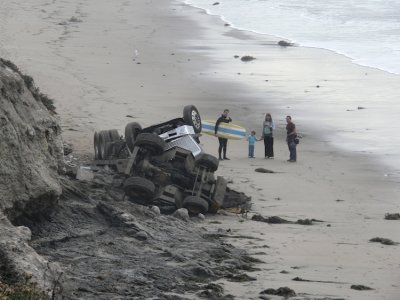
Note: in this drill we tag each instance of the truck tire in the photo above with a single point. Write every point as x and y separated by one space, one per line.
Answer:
195 205
191 116
114 135
151 142
104 138
131 132
207 161
96 146
139 188
109 152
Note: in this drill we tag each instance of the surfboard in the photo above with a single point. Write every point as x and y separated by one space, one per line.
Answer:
225 130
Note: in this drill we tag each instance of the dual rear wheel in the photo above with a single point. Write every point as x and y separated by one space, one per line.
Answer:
103 143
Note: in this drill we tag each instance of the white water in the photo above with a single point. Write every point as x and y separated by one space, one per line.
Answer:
367 31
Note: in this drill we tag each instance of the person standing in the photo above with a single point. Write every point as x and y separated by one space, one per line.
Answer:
290 138
252 139
224 118
267 136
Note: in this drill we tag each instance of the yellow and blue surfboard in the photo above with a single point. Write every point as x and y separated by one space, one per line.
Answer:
225 130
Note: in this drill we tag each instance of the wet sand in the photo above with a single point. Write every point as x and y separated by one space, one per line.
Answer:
83 55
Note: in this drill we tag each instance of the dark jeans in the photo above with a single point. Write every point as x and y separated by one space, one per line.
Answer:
292 150
269 146
251 150
222 146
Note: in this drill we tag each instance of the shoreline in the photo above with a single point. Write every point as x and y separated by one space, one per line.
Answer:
199 68
282 37
361 104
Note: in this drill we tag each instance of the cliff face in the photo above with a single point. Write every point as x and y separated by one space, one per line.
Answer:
30 146
30 157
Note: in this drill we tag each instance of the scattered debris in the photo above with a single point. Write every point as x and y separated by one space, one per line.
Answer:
68 148
285 44
395 216
247 58
270 220
182 213
304 222
321 281
282 291
263 170
212 291
308 221
383 241
74 20
155 209
240 277
279 220
84 174
234 199
360 287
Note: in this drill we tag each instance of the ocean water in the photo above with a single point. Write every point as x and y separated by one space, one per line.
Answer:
367 31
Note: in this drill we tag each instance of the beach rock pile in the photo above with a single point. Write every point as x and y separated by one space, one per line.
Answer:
30 157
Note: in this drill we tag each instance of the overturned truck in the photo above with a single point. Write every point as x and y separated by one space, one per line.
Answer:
164 164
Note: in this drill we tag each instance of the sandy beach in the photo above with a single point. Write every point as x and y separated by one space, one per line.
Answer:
110 63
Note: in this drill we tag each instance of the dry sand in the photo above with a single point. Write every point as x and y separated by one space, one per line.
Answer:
90 66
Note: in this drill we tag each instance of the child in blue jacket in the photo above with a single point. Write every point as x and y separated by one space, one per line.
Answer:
252 141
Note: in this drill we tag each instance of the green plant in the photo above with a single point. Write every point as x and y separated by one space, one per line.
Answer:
27 291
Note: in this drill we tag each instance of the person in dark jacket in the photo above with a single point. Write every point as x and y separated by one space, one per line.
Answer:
222 142
291 135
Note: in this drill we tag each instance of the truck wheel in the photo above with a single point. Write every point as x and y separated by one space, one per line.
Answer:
109 152
104 138
192 117
195 205
96 146
139 188
114 135
151 142
131 132
207 161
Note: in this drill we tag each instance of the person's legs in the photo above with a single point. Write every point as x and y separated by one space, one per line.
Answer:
221 144
272 147
225 144
269 146
265 146
251 150
292 151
